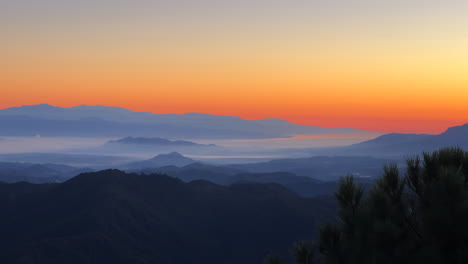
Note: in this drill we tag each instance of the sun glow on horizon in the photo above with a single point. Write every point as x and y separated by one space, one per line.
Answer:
384 67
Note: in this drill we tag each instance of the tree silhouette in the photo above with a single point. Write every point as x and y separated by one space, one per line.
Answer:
417 218
303 253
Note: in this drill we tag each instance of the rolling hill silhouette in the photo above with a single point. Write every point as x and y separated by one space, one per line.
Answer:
224 175
113 217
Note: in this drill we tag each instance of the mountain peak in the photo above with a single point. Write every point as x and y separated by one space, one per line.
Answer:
154 141
456 131
162 160
33 107
170 155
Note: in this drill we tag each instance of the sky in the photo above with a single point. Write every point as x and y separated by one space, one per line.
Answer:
384 66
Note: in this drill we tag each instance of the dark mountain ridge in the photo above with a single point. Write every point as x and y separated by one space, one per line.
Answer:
113 217
304 186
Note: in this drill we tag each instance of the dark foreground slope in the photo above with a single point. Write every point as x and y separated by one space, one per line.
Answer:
113 217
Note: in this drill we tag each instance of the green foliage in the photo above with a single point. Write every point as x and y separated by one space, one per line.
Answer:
420 217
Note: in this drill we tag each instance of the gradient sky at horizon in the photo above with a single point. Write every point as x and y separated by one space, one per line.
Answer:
386 66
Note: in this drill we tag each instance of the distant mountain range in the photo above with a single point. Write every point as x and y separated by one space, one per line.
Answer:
154 145
318 175
113 217
74 160
305 186
161 160
321 167
409 144
37 173
12 172
102 121
282 171
155 142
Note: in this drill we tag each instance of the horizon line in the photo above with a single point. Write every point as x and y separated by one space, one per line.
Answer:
222 115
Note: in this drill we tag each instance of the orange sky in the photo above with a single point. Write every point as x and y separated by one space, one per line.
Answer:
400 68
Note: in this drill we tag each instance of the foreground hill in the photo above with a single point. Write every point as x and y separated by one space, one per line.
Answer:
102 121
113 217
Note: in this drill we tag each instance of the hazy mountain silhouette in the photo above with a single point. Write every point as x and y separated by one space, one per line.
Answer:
304 186
174 164
161 160
225 175
11 172
75 160
320 167
154 142
393 139
154 145
410 144
37 173
105 121
113 217
196 171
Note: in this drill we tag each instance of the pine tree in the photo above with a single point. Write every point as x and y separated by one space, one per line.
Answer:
417 218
